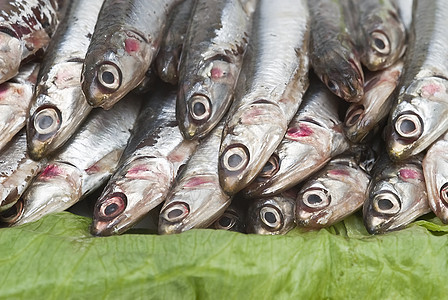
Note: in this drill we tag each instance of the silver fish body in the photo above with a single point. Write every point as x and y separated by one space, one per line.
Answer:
59 106
197 199
333 193
147 169
366 115
15 96
418 117
210 64
270 87
314 136
125 42
397 195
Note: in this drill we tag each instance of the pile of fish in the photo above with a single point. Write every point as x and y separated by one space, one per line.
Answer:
248 115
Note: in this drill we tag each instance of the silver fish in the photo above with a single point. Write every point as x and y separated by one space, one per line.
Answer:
59 106
419 116
333 193
405 10
366 115
270 87
26 27
396 196
125 42
84 164
197 199
314 136
167 59
272 215
333 54
233 218
382 34
210 64
15 96
148 167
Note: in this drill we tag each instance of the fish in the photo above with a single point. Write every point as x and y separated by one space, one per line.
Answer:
197 199
15 96
269 90
233 218
26 28
381 33
417 118
333 53
58 106
82 165
365 116
153 157
210 64
396 194
313 137
436 177
333 193
167 60
124 43
272 215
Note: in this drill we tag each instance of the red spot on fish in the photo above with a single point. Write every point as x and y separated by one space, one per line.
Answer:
193 182
430 89
92 169
339 172
131 45
50 171
294 133
410 174
216 73
136 170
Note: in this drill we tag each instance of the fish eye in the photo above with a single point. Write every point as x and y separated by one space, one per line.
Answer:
13 213
226 222
175 212
271 167
271 217
353 115
109 76
386 203
316 198
333 86
111 207
444 192
409 125
235 158
200 107
380 43
46 120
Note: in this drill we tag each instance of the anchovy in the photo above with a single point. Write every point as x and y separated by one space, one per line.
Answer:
270 87
126 39
333 53
396 196
233 218
197 199
272 215
365 116
418 118
84 164
382 34
313 137
15 96
26 28
210 65
59 106
148 167
333 193
167 59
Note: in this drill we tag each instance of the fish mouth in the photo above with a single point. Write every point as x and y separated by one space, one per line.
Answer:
355 85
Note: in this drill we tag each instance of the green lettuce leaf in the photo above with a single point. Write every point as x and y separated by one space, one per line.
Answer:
56 258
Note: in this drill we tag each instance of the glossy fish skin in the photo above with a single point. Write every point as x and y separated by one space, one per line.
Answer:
418 117
197 199
26 27
233 219
366 115
333 193
124 43
436 177
84 164
15 96
17 170
270 87
272 215
210 64
167 59
147 169
382 34
332 50
396 196
59 106
314 136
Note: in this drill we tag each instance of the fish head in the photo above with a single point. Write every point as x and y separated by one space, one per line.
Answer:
137 188
110 73
232 220
418 118
11 49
